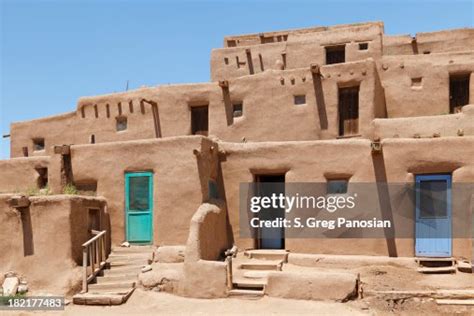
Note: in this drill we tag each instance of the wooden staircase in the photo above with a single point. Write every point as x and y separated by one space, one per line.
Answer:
117 282
250 271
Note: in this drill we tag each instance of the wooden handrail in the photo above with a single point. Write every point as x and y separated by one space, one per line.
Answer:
93 255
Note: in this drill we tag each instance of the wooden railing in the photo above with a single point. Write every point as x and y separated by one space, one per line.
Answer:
93 255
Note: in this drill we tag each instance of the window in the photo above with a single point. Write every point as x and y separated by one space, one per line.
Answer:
299 99
38 144
458 92
25 151
231 43
363 46
42 180
335 54
337 186
92 139
416 82
348 111
121 123
199 120
237 110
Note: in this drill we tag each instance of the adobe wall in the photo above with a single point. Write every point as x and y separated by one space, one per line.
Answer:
459 124
19 174
301 49
43 242
58 129
430 42
262 120
180 180
205 272
314 162
430 98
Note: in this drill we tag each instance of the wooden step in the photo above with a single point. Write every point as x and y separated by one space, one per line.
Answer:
116 278
101 299
128 256
267 254
109 286
426 261
250 294
274 265
133 249
450 269
124 263
256 274
122 270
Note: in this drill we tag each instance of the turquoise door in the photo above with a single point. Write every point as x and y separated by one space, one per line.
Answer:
433 215
139 207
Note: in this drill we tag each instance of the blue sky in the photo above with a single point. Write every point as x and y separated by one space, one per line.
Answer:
53 52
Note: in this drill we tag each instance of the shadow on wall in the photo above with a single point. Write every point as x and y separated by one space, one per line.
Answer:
384 201
27 229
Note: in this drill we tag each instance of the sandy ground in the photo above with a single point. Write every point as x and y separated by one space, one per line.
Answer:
156 303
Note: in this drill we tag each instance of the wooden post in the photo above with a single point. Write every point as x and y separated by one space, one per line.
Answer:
84 270
228 260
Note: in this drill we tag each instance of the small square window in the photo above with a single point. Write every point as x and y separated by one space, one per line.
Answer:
416 82
337 186
238 110
299 99
335 54
121 123
363 46
38 144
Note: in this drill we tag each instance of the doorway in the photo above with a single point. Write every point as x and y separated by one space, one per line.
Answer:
433 215
139 207
458 92
270 237
348 111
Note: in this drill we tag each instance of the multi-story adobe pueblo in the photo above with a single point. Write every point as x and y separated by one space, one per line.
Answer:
162 165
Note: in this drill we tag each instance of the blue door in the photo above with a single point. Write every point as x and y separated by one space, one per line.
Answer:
139 207
433 215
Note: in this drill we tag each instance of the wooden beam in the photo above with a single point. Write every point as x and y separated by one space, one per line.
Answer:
19 201
62 149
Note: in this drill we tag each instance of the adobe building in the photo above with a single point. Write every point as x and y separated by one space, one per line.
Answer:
162 165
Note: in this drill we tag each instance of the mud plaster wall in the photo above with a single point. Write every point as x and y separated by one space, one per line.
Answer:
43 243
19 174
261 120
180 184
56 130
300 51
432 97
426 126
314 162
205 277
269 112
433 42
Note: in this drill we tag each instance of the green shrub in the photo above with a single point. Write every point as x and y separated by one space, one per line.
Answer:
70 189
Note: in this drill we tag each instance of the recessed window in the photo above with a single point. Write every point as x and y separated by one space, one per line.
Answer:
226 60
299 99
231 43
458 92
38 144
417 82
92 139
337 186
42 180
237 109
426 52
121 123
335 54
363 46
199 120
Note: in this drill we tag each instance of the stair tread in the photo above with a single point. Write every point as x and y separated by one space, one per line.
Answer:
455 302
261 262
245 292
102 298
419 259
437 269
